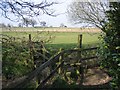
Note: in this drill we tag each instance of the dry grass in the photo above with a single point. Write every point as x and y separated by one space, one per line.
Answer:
54 29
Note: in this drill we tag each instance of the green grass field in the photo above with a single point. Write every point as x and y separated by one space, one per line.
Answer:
60 39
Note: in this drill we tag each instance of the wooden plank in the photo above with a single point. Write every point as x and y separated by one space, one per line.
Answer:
51 74
38 70
84 59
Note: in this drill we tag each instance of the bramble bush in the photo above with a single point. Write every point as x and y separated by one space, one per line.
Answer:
110 47
16 60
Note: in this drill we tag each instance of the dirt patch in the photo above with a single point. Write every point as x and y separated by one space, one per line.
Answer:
95 76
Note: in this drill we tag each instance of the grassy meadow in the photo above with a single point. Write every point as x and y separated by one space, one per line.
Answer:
60 37
16 56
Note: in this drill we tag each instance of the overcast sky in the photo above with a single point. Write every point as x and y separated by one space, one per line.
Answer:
51 21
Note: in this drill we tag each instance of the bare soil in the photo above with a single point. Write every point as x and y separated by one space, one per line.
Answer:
93 76
96 76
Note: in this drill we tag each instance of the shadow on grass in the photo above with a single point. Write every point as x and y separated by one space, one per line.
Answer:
70 45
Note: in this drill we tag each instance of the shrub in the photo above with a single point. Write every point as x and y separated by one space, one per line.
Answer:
16 60
110 47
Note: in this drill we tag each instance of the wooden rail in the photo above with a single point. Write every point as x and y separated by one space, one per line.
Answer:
51 74
22 82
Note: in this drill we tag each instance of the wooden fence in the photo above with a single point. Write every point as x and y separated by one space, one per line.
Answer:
26 79
23 81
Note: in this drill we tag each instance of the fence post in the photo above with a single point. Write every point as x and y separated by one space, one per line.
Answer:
80 41
79 46
31 51
60 60
30 46
42 51
81 69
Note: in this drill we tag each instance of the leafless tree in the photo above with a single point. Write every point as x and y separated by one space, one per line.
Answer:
21 8
20 25
62 25
28 21
33 22
43 23
2 25
92 13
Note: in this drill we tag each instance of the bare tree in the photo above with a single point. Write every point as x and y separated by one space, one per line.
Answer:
33 22
20 25
9 26
92 13
27 21
2 25
22 8
62 25
43 23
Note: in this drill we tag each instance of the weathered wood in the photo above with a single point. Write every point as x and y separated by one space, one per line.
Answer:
80 41
42 51
30 47
60 61
38 70
51 74
79 46
81 69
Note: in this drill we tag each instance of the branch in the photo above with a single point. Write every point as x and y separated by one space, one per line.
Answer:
88 12
21 9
